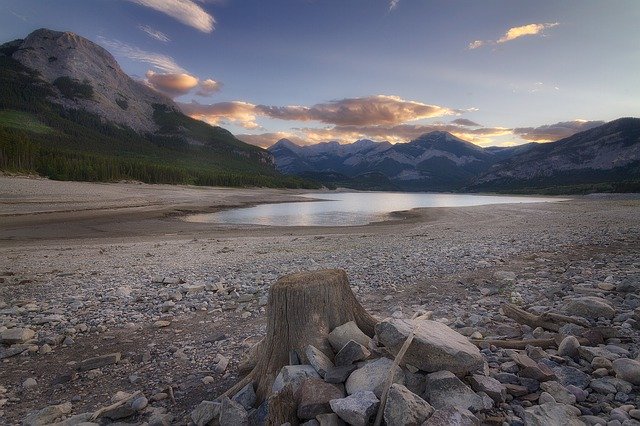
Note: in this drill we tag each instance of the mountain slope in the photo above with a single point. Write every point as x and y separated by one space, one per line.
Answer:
106 126
608 153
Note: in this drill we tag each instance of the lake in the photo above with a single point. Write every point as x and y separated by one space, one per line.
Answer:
351 208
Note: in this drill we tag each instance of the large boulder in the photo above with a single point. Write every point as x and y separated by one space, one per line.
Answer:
293 375
313 397
628 370
373 377
435 346
47 415
404 408
552 414
16 335
590 307
341 335
452 416
444 389
206 412
318 360
356 409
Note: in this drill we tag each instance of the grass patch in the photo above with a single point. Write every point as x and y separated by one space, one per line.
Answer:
22 120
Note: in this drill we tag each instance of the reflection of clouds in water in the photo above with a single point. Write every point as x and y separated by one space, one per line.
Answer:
350 209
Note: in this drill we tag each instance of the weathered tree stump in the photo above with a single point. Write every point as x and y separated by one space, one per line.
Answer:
302 310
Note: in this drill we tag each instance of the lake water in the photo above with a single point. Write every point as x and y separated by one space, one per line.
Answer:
351 208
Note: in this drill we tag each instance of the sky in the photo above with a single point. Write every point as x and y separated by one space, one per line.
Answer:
493 72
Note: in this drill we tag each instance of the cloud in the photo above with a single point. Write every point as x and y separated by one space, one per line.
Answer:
155 34
171 84
161 62
465 122
208 87
514 33
242 113
393 4
554 132
186 11
525 30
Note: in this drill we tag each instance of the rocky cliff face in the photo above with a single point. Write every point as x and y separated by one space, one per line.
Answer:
88 77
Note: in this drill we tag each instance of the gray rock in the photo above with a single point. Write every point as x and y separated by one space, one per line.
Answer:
330 419
434 347
313 397
569 347
339 374
139 403
293 375
318 360
246 397
590 307
444 389
351 352
628 370
373 377
558 392
590 352
47 415
341 335
233 414
205 412
404 408
452 416
532 369
552 414
99 361
490 386
29 383
16 335
356 409
83 419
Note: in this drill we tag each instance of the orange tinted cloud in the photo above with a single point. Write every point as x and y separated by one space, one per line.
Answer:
242 113
208 87
172 84
525 30
554 132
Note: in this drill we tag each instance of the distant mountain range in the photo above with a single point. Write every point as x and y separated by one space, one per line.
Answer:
68 111
603 158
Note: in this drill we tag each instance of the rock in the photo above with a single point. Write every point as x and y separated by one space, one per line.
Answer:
444 389
139 403
590 307
552 414
16 335
313 397
29 383
351 352
233 414
434 347
628 370
161 324
452 416
341 335
404 408
339 374
246 397
590 352
330 419
293 375
99 361
222 364
545 397
318 360
569 347
558 392
47 415
356 409
83 419
373 377
490 386
205 412
532 369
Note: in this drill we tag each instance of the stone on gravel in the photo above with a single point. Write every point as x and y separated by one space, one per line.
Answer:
233 414
293 375
490 386
341 335
29 383
590 352
318 360
435 346
404 408
532 369
628 370
569 347
552 414
246 397
356 409
373 377
16 335
590 307
449 416
47 415
351 352
444 389
313 397
139 403
205 412
99 361
558 392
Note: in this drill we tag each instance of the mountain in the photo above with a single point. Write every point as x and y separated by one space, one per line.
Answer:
608 156
68 111
435 161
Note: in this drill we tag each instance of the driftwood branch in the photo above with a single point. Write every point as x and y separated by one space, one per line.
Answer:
548 320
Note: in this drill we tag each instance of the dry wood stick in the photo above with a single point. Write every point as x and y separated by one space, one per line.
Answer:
396 362
97 413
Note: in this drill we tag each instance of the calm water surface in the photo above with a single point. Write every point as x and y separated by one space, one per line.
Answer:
350 208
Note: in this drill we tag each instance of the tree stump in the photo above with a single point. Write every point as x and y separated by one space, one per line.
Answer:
303 308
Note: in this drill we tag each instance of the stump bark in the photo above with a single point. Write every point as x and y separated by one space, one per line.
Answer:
302 309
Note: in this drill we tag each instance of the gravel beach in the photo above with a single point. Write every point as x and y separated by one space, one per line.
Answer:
96 269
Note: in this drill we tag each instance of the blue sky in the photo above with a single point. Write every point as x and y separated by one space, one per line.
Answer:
494 72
